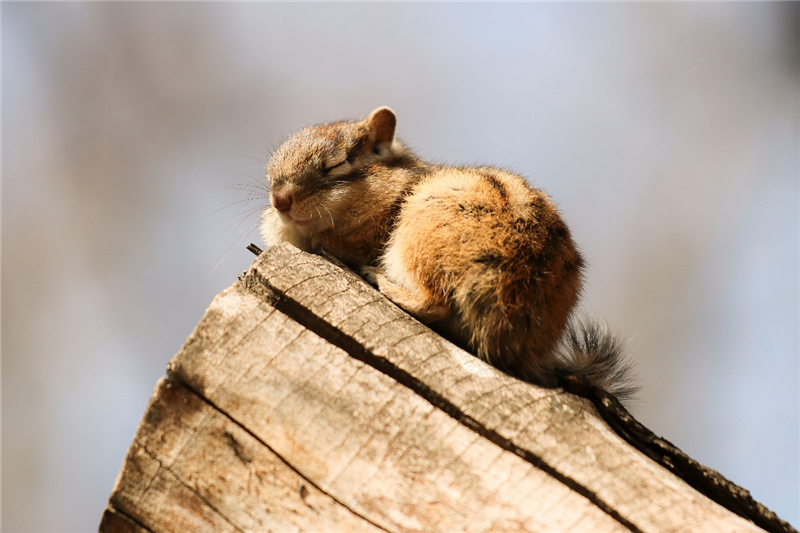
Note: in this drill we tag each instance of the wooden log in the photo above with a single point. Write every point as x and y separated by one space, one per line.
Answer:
304 400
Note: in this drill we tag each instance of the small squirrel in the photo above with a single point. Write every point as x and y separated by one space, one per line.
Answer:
476 253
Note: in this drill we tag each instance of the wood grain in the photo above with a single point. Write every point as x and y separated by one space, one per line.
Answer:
554 430
306 401
365 439
191 468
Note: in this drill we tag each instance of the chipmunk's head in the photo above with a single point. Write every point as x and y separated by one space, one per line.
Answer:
312 172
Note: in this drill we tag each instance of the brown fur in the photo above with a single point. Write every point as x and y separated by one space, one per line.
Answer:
351 213
475 252
495 251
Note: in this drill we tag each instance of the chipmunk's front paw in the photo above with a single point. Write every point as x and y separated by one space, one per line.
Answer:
373 275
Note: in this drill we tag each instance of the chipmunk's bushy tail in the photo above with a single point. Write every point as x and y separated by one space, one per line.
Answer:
591 356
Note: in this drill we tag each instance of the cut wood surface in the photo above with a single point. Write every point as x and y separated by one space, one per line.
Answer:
306 401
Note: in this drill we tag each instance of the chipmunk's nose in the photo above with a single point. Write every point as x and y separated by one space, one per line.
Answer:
282 201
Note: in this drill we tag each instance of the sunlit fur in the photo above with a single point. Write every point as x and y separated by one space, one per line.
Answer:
475 252
483 243
350 214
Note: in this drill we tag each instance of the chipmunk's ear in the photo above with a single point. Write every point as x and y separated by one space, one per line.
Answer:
381 124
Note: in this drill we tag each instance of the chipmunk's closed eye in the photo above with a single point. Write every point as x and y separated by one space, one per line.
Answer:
338 167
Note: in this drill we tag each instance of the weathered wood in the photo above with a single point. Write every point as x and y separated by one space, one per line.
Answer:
200 471
366 439
304 400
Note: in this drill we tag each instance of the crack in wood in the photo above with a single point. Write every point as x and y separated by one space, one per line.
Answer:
705 480
261 287
465 446
237 448
185 483
121 514
177 379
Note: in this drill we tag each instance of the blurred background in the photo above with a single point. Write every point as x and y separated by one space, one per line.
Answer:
667 133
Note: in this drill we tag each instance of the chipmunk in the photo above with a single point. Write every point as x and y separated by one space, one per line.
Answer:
476 253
